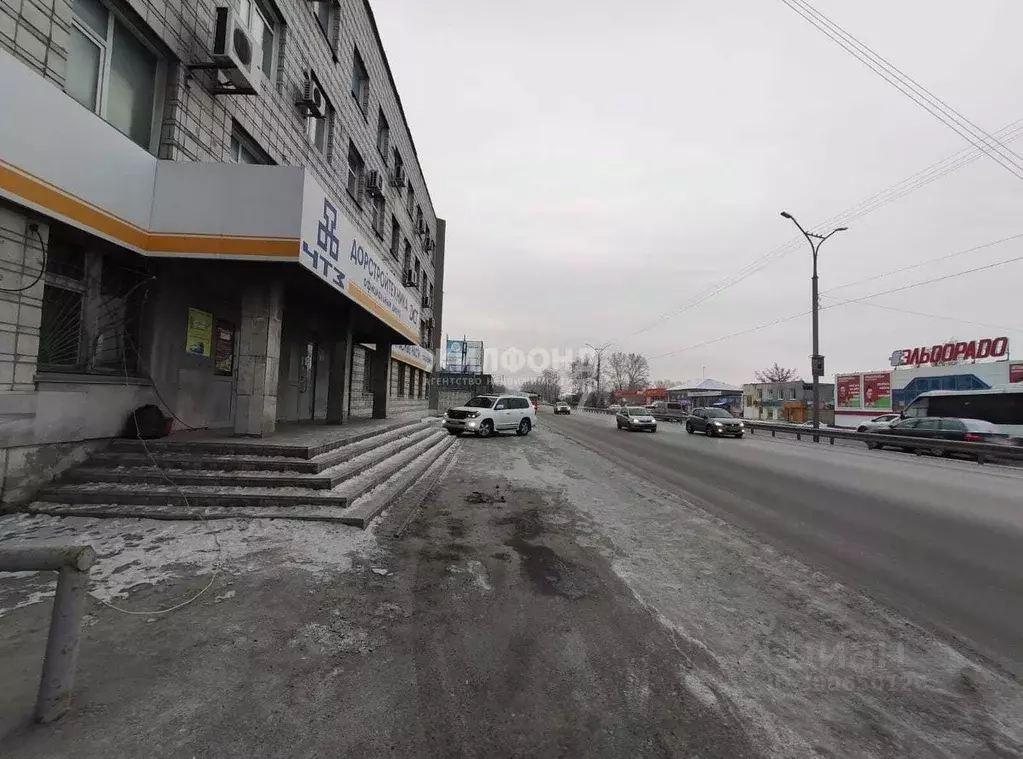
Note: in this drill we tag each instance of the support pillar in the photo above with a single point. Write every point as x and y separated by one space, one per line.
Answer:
259 352
337 399
381 379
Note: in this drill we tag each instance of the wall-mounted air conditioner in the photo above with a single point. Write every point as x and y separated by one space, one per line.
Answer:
398 178
236 53
375 184
429 244
311 102
420 227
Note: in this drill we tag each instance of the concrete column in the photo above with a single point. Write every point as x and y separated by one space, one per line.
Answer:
337 383
438 311
381 379
259 352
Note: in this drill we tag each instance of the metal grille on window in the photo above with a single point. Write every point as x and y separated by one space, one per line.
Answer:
92 312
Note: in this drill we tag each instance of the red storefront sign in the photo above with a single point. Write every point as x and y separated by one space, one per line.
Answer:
1015 372
988 347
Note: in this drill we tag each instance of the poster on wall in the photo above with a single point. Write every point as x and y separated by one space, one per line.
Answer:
1015 372
223 348
847 387
199 337
877 390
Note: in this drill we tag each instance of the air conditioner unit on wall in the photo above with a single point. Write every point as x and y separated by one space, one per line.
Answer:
429 244
236 53
312 103
375 184
408 280
398 177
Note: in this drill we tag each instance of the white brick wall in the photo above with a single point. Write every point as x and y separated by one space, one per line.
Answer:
20 260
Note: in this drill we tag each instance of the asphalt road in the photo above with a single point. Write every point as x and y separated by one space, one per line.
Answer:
938 541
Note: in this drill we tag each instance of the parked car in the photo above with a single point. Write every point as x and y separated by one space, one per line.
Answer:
937 428
635 418
879 421
714 421
562 408
614 407
486 415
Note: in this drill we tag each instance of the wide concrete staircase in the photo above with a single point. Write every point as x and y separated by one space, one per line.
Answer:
348 480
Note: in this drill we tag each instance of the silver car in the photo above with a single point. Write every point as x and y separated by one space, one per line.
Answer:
879 422
635 418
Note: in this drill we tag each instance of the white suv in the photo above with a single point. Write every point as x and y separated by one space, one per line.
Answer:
486 415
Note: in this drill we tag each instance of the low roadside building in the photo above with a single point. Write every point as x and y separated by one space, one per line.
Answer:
704 392
784 401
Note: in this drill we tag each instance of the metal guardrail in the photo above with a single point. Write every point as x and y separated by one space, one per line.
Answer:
72 563
981 451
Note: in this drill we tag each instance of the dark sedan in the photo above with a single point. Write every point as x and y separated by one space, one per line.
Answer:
714 421
937 428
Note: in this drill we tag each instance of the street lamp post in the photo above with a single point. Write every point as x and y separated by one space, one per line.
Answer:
816 360
600 352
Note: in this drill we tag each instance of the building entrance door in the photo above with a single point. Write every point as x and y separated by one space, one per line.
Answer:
307 381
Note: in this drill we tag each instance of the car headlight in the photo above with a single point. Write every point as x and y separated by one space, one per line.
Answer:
473 414
716 424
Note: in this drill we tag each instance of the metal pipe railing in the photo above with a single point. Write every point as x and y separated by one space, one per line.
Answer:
72 564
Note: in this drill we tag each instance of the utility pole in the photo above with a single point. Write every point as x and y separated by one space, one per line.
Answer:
816 360
600 352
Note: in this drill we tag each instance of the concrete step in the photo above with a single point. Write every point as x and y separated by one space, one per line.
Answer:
358 458
131 511
365 509
234 496
172 459
243 447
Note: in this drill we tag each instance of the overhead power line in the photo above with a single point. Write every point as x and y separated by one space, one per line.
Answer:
842 303
878 200
955 319
910 87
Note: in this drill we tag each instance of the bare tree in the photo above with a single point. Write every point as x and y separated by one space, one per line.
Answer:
777 373
547 385
618 370
665 383
637 370
582 373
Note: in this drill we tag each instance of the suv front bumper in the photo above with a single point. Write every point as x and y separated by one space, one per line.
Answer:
467 425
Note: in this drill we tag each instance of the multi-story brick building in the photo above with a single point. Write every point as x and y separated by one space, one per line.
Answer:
216 209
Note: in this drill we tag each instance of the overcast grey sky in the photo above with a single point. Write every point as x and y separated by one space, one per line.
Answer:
600 164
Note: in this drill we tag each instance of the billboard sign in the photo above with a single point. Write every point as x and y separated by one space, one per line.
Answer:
953 353
877 390
464 356
334 250
847 390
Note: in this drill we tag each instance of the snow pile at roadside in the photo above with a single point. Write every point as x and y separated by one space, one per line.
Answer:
136 552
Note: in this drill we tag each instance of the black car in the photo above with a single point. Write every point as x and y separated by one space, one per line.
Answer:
714 421
635 418
937 428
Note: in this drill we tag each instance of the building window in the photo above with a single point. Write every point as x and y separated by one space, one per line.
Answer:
401 379
91 319
356 166
418 273
406 267
113 73
360 82
410 200
264 30
395 237
413 373
399 165
325 11
383 135
426 290
245 150
379 212
419 391
321 131
367 370
419 220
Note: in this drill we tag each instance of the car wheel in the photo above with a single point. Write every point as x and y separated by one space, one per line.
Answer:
873 446
619 425
486 428
738 435
456 433
524 427
939 452
689 428
653 429
861 428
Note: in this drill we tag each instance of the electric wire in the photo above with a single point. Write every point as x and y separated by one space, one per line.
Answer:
840 303
33 227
